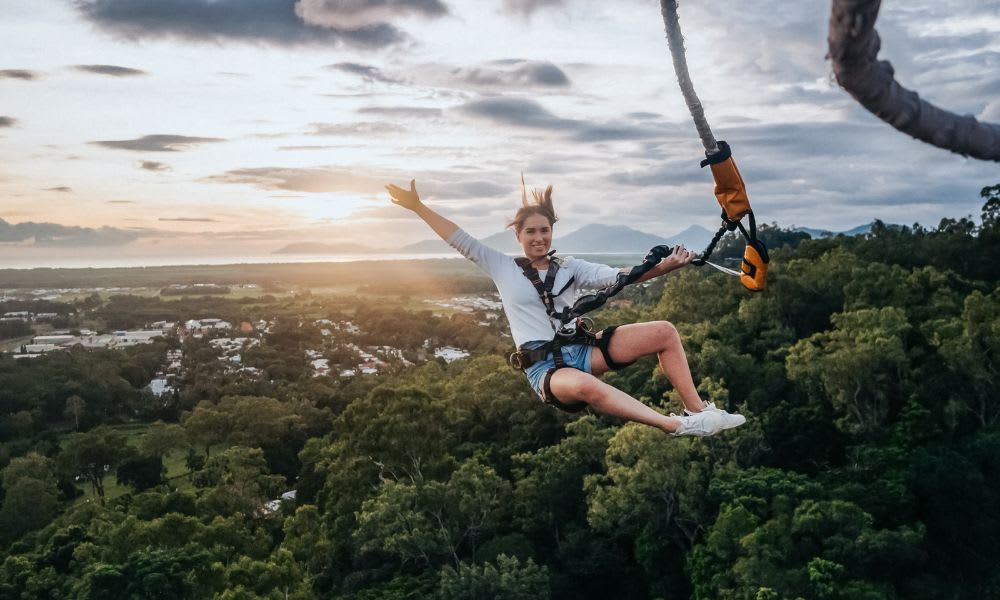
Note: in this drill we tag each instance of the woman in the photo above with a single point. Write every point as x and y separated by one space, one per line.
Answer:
532 328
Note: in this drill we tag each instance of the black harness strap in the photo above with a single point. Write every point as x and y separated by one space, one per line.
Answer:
602 345
524 358
551 399
589 302
544 289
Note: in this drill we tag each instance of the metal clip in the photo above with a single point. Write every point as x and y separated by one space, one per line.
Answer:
565 333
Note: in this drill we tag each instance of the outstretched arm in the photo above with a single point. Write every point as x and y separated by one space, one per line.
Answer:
411 200
679 257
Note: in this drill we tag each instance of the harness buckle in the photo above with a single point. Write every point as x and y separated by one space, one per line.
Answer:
565 333
514 360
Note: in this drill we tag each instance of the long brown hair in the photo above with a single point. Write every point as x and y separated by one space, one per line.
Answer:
542 206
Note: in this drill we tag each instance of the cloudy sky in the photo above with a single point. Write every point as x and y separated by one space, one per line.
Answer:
229 127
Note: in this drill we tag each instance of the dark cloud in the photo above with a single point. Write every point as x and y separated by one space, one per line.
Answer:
152 165
51 234
366 72
829 139
609 132
353 14
112 70
363 128
158 143
188 220
276 22
527 7
61 189
465 189
18 74
512 73
670 173
644 116
518 112
794 155
524 113
7 121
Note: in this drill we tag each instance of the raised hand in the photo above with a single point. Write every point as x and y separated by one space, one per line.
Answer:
405 198
679 257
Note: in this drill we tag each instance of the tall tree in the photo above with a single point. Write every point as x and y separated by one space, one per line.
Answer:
94 454
30 496
75 406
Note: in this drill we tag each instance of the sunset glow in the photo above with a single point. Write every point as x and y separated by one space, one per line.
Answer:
172 128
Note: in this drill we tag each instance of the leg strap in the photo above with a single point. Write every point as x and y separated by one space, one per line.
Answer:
602 345
551 399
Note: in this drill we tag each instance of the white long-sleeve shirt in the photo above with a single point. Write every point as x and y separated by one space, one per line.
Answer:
525 311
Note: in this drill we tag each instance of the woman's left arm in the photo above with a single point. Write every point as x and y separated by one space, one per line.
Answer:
679 257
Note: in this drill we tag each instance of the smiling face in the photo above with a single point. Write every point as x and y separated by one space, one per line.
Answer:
535 236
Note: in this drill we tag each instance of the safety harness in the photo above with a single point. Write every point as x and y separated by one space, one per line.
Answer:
581 331
574 328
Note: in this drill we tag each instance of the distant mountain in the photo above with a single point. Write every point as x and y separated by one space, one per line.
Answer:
427 247
320 248
814 233
859 230
694 237
606 238
590 239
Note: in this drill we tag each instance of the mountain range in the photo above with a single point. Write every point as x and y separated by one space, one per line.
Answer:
589 239
822 233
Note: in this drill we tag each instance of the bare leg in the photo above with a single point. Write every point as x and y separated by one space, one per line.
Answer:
660 337
573 385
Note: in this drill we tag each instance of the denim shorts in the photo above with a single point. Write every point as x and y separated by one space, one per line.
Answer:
575 355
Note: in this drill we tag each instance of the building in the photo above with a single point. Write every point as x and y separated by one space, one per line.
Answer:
450 354
58 340
134 338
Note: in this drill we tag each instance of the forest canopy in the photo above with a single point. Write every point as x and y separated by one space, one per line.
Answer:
866 468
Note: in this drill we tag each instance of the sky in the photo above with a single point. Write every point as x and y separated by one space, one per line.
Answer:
133 128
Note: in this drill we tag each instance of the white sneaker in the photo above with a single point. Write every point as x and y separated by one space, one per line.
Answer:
710 421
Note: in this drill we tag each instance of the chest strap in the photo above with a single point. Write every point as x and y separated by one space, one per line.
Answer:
544 288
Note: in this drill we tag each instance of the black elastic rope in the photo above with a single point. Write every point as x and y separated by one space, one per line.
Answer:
700 261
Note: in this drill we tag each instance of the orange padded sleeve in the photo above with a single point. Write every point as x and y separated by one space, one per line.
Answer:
730 190
754 268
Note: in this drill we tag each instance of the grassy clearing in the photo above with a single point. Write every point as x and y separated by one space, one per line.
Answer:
175 463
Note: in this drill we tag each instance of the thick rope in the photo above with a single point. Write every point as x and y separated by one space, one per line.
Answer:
854 46
703 259
676 43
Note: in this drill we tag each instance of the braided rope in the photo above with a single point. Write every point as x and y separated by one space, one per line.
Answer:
703 259
675 40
